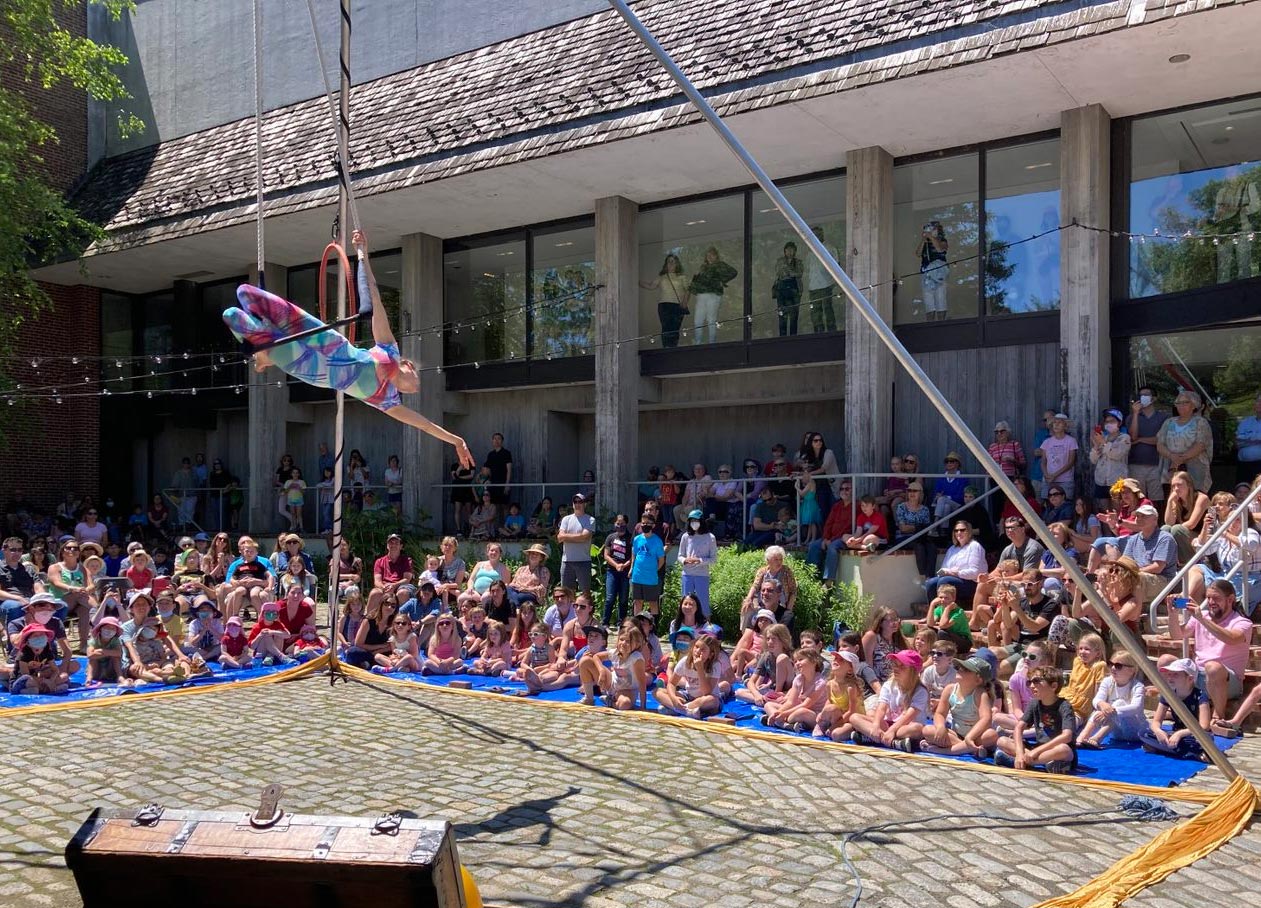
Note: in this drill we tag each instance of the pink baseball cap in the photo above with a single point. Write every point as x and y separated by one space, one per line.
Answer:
907 657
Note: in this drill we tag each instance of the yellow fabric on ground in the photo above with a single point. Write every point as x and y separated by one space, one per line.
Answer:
1172 850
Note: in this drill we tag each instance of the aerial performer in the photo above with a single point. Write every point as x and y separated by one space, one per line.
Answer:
286 336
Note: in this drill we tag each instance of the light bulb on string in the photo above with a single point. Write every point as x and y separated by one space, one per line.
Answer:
149 394
74 360
58 399
185 354
118 363
193 392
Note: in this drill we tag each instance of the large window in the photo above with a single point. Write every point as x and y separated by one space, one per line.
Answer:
967 234
563 273
117 338
690 261
485 289
1022 200
1195 171
159 338
792 293
1222 365
935 239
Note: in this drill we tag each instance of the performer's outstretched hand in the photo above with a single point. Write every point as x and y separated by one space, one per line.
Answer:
359 241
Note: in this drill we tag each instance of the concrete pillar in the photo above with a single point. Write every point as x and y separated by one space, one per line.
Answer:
1085 323
424 459
616 364
268 405
869 366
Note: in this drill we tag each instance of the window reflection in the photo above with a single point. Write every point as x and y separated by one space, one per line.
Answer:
116 337
563 278
795 294
485 291
1195 171
1022 200
690 257
935 206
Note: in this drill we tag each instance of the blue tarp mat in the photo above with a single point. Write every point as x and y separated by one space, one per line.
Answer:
1121 762
218 676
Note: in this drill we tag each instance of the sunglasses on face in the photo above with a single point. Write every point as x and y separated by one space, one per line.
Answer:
1117 666
1032 657
938 655
401 623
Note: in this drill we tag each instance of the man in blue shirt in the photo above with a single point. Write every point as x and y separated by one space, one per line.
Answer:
1248 444
948 489
648 555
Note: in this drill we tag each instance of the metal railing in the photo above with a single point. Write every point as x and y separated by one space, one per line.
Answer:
1203 552
948 518
211 510
561 494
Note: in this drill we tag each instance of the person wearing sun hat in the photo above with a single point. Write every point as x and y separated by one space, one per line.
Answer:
948 489
963 722
105 652
901 708
35 669
1006 450
1059 456
1178 741
531 581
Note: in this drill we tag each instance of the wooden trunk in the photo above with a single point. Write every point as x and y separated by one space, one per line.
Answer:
216 859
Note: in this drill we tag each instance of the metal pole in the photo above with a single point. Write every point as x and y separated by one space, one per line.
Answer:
949 518
953 419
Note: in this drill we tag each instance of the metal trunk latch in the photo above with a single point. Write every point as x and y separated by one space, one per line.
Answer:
269 812
387 824
148 815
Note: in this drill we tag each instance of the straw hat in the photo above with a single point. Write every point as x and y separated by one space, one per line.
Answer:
537 549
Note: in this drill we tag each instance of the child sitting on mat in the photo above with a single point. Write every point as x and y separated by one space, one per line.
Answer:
799 709
475 630
749 649
1020 695
496 657
773 672
560 672
442 655
691 689
35 670
1178 741
205 632
1118 705
269 636
963 723
898 718
845 698
625 682
940 672
402 655
234 649
105 653
1054 725
1088 670
308 645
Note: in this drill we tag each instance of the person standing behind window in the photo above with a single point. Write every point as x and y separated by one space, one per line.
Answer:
822 288
707 286
672 297
786 291
934 269
1248 444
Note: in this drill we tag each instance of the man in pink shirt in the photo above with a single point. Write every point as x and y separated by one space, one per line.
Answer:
1221 636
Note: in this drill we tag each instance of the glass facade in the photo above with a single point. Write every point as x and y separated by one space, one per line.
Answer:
691 257
1195 171
562 278
1022 200
792 294
936 237
485 287
117 337
1222 365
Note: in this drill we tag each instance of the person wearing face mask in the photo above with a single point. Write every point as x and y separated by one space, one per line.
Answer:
234 651
40 609
35 669
169 615
149 655
105 653
616 552
698 550
1145 422
269 637
205 633
1110 454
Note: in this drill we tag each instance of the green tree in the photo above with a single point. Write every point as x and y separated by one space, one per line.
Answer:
36 224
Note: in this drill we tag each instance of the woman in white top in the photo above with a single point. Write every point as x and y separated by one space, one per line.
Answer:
964 561
672 296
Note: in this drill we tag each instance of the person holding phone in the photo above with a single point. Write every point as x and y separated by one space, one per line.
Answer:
934 269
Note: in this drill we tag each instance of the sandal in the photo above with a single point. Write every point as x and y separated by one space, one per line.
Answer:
1224 729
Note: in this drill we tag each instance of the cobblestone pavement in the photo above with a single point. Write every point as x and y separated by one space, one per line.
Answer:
585 809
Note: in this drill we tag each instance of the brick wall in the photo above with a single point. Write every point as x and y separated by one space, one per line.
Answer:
49 449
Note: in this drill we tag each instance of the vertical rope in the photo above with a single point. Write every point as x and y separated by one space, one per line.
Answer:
258 142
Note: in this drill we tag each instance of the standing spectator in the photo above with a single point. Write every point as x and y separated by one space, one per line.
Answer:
1060 456
707 287
326 459
295 498
462 498
184 482
698 551
89 529
1110 453
394 484
1006 451
1035 467
218 481
617 561
1145 423
499 462
695 494
819 461
576 531
1220 637
1185 441
648 556
786 291
672 296
822 288
1248 444
359 474
200 470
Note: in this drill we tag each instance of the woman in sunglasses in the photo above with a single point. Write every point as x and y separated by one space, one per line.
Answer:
68 582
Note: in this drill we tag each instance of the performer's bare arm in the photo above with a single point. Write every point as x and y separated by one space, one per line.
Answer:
412 418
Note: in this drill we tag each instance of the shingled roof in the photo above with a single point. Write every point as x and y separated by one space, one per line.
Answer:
569 86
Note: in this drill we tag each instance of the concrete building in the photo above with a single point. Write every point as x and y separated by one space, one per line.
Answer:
523 177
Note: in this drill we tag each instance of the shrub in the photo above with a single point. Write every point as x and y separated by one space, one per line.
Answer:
848 607
729 581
